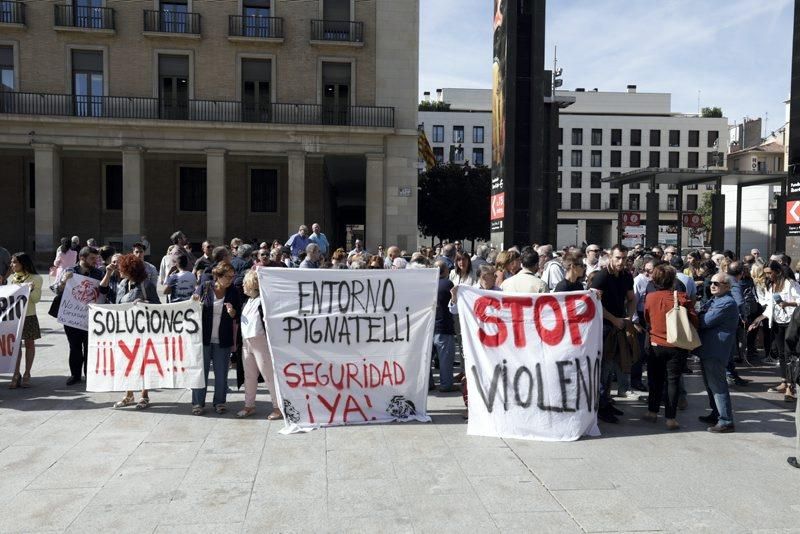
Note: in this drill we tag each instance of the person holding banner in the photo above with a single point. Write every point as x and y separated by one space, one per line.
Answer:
221 305
255 351
24 272
79 339
135 286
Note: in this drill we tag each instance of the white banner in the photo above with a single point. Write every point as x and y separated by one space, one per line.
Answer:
533 363
145 346
13 306
79 292
349 347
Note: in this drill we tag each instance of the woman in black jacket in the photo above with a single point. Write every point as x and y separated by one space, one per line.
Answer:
221 306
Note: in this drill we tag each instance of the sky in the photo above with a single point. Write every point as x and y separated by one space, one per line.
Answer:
736 53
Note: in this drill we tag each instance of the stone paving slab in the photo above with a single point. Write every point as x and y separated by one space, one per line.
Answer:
70 463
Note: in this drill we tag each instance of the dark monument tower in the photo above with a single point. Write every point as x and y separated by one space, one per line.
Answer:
794 109
524 128
791 191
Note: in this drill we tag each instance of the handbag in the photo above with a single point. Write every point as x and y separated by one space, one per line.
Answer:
53 311
680 332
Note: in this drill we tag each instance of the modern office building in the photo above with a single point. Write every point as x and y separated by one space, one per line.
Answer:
463 132
218 117
601 134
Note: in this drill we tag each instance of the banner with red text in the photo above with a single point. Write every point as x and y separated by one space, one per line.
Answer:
349 347
145 346
13 306
532 363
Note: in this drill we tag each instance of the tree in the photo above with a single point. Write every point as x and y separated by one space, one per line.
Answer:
711 112
454 202
433 106
704 209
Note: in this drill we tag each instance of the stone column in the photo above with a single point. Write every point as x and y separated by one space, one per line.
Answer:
132 195
47 159
296 210
581 234
376 202
215 199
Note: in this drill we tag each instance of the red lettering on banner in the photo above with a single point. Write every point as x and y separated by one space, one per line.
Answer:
574 319
517 306
308 373
330 407
398 372
554 336
351 405
480 306
129 354
292 379
150 357
7 344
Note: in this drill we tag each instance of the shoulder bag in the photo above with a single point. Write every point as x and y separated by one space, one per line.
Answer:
680 332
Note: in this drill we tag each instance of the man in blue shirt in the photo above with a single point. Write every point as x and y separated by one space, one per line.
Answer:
299 241
719 320
319 239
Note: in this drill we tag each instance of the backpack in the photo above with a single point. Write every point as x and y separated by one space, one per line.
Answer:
751 306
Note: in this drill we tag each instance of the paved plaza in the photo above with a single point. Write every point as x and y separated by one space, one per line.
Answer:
68 462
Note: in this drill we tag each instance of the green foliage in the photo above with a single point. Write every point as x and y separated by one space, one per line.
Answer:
454 202
704 209
711 112
433 106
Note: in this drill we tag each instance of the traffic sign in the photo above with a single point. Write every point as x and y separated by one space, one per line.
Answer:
498 207
692 220
630 218
793 212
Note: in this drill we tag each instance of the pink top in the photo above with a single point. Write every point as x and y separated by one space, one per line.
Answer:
64 260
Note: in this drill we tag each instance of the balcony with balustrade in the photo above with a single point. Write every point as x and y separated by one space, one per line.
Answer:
256 29
71 17
337 32
12 14
171 24
153 109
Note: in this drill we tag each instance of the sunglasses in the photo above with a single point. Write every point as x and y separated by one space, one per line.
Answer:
717 284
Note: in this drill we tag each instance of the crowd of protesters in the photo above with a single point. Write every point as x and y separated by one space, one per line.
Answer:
736 304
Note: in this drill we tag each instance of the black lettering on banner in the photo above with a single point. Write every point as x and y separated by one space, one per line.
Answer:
517 376
358 288
300 294
488 402
563 381
386 285
584 384
98 326
11 307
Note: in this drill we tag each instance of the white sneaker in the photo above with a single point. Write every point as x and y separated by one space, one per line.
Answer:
629 395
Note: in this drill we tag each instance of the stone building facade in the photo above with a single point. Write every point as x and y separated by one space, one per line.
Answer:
221 118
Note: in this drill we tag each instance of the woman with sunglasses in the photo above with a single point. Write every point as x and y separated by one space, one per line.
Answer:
221 306
783 295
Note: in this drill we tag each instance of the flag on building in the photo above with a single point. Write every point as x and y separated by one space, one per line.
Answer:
424 149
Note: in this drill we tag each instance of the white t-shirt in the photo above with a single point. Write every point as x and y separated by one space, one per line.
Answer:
219 305
182 284
252 325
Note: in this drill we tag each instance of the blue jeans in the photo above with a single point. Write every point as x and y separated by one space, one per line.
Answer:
719 398
220 358
445 347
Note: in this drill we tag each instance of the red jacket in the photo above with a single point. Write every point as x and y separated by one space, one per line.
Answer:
656 306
